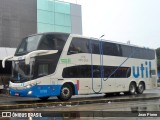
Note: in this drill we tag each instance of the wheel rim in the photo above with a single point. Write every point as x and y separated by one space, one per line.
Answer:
132 89
65 92
141 88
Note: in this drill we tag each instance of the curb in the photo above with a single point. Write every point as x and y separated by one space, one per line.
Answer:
70 103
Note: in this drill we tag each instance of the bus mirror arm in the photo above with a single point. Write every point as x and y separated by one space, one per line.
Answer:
4 60
38 53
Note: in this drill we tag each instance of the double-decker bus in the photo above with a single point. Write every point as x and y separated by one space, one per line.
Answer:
62 65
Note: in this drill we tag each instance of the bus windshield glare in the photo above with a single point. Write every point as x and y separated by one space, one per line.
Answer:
28 44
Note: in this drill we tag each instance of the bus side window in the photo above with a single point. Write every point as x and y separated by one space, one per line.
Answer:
70 72
47 43
96 71
43 70
72 49
126 51
84 71
153 72
78 45
95 47
111 49
122 72
52 42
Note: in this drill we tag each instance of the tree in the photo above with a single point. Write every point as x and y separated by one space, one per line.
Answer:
158 56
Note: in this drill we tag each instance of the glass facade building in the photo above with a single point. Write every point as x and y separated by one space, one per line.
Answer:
20 18
53 16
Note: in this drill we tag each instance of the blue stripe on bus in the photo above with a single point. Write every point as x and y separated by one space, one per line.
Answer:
39 91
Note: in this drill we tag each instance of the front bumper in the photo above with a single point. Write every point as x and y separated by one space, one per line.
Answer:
37 91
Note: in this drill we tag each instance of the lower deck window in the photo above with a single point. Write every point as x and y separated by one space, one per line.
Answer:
43 70
95 71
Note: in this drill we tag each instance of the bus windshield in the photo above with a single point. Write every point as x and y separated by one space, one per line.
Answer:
28 44
22 72
42 42
39 65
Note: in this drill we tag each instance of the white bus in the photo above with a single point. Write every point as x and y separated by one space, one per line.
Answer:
62 65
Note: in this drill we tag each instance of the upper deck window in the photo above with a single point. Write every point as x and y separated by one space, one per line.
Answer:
42 42
79 45
47 43
52 42
28 44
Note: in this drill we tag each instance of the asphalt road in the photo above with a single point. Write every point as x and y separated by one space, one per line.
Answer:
110 111
123 110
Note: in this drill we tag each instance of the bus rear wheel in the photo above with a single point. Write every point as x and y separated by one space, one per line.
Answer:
132 88
44 98
66 92
140 88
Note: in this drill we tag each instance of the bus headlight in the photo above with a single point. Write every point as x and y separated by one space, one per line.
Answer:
29 92
28 86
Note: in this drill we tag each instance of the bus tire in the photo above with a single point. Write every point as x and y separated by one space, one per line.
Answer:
132 88
44 98
140 88
65 93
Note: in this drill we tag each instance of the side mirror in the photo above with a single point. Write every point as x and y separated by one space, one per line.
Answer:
38 53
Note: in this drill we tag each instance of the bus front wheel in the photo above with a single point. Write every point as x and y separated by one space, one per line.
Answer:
66 92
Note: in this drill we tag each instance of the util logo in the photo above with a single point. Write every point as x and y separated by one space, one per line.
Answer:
144 70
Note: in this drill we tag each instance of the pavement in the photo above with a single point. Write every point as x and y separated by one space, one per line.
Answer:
8 102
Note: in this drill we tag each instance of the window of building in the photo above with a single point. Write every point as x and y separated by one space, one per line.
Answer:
54 16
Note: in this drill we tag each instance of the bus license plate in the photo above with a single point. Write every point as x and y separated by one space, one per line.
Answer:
16 94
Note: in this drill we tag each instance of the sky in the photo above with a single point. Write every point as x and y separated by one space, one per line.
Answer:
137 21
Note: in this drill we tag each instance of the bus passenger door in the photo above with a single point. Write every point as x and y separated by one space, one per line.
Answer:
96 66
